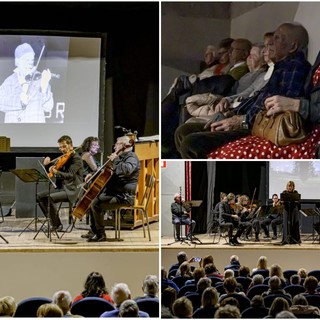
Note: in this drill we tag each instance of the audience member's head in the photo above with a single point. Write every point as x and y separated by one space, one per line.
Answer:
150 285
94 286
168 297
231 301
229 273
129 309
185 269
202 284
119 293
207 259
210 297
285 315
302 272
257 302
210 268
311 284
276 270
49 310
299 299
228 311
240 49
197 274
295 279
257 279
269 54
279 304
230 284
244 271
289 38
255 59
164 273
182 308
62 299
262 263
182 256
8 306
274 283
234 259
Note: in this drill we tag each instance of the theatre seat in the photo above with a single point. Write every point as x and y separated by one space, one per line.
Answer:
29 306
252 147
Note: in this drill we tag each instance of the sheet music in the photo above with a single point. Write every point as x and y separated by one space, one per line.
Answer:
45 171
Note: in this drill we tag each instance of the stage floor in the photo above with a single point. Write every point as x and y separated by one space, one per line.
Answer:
25 240
309 241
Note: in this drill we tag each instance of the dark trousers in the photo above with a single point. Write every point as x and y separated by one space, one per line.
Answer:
58 195
107 202
183 221
274 222
194 143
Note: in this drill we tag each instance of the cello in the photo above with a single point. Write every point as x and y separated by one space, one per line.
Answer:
101 178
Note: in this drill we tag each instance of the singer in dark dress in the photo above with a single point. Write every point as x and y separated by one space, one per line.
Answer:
291 224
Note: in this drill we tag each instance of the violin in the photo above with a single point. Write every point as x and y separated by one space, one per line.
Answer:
38 75
61 161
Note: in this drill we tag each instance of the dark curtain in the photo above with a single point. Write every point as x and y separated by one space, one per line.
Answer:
238 177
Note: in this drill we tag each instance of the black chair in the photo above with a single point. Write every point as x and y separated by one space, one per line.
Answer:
195 298
179 281
315 273
270 298
288 273
245 282
149 305
294 289
214 280
255 313
187 288
220 288
27 308
313 299
258 289
263 272
244 302
91 307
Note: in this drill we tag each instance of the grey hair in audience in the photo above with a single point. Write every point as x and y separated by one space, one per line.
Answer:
257 279
300 299
120 292
63 299
151 285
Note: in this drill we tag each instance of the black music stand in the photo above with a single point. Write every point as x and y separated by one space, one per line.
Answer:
30 175
47 231
289 198
194 204
309 212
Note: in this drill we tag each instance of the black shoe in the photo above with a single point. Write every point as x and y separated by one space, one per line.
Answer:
88 235
231 243
235 241
266 236
177 239
96 238
274 238
257 240
59 228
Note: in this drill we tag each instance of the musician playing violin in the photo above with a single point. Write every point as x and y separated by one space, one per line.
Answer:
245 210
120 189
67 178
23 97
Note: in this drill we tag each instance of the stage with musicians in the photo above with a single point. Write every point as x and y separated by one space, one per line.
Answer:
291 242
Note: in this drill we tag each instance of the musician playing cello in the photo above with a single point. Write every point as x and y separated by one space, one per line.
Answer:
120 189
68 173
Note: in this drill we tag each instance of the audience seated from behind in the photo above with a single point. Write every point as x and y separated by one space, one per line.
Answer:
301 308
150 288
279 304
129 309
262 264
165 282
257 309
168 297
311 283
228 311
119 293
230 285
182 308
197 274
256 279
94 287
63 300
211 271
275 287
234 264
49 310
209 304
8 306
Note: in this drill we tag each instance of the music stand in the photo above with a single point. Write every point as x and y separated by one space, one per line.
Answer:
289 197
194 204
30 175
47 220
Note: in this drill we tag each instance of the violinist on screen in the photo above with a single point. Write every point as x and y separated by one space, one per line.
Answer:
26 94
120 189
68 173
